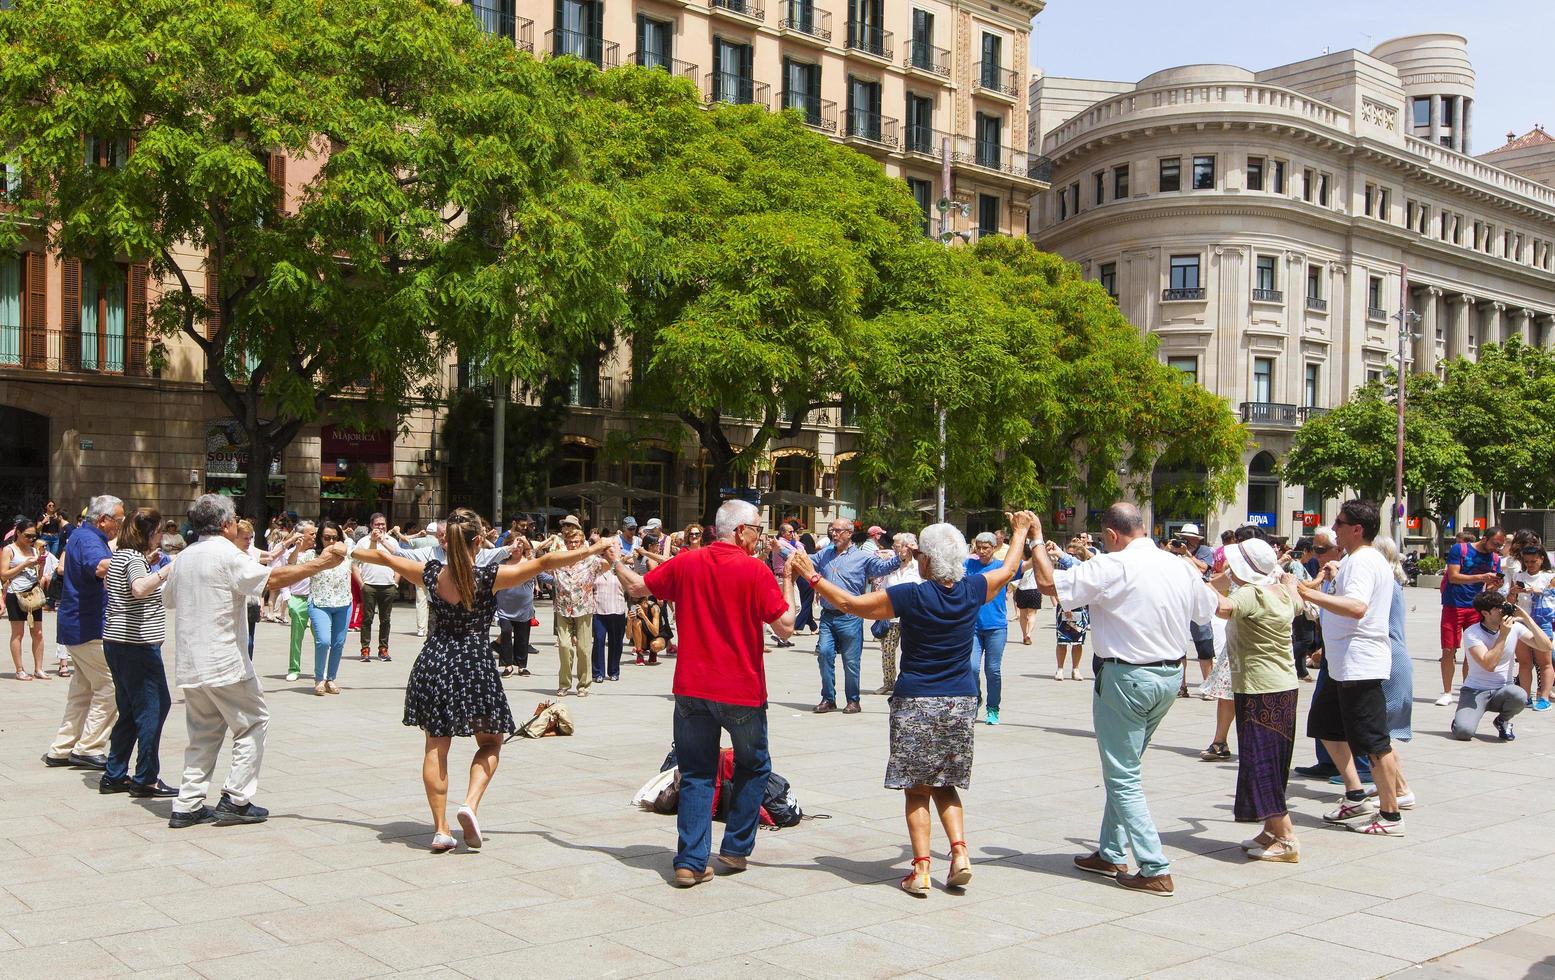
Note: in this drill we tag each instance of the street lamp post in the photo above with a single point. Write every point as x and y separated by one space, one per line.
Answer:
1405 317
946 237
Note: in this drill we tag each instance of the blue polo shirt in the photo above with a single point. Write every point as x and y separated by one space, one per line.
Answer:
1470 561
83 599
994 614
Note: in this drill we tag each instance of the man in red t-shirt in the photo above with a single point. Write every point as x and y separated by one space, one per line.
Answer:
723 597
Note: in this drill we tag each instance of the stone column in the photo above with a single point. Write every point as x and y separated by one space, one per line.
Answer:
1458 328
1493 325
1425 348
1463 124
1436 120
1523 319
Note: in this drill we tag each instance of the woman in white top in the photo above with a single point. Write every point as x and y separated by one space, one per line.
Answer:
24 565
329 612
890 630
1028 600
609 626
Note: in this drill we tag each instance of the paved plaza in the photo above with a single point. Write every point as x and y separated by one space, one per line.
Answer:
573 881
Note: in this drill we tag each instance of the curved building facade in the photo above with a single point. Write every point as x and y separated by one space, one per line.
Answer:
1259 225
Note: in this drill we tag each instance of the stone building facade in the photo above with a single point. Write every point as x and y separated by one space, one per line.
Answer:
1261 225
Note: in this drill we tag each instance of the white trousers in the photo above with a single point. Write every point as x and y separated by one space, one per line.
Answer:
90 707
211 712
421 609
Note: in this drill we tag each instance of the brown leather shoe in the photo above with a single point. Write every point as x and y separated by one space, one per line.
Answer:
1098 865
686 878
852 708
731 864
824 707
1149 884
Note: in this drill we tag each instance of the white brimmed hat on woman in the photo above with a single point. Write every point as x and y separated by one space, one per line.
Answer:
1253 562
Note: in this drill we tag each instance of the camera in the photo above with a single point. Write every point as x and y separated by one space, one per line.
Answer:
1176 543
1510 608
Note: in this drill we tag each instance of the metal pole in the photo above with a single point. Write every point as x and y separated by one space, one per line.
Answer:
499 421
939 506
1398 471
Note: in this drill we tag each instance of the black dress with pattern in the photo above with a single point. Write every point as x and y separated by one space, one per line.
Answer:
454 688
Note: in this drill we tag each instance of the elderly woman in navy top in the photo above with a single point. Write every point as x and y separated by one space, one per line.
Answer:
934 703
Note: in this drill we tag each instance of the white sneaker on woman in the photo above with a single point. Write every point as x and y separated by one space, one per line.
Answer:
472 829
1444 700
1058 674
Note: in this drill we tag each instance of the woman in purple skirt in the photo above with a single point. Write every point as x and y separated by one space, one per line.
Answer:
1260 610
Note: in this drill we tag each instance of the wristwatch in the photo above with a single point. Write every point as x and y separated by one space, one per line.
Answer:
815 577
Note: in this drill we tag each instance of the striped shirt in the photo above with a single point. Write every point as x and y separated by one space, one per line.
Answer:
132 620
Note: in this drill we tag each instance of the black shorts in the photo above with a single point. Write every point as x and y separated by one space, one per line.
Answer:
13 610
1350 711
1028 598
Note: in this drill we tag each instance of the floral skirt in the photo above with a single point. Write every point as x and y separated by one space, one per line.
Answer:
931 742
1265 739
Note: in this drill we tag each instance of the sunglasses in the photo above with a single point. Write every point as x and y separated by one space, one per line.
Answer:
694 534
29 537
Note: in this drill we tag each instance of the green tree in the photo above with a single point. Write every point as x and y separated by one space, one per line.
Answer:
532 442
769 245
446 208
1499 406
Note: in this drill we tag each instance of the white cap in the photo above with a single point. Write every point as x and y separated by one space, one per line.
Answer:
433 527
653 524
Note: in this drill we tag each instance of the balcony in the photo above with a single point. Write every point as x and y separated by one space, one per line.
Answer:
71 352
870 40
676 67
1182 293
1377 313
1310 412
1007 160
1317 304
990 77
1268 296
1270 415
871 128
818 113
923 141
603 53
504 24
803 21
743 10
724 86
921 56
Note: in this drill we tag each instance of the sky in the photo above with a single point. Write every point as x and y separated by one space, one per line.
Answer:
1511 43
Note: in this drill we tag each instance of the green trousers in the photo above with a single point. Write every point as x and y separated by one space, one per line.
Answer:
297 614
1129 703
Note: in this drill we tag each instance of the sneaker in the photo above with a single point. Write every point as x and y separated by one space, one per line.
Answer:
1366 782
1504 729
1379 827
641 660
1444 700
1077 675
443 843
1405 802
992 718
1348 810
1541 704
292 675
230 812
383 656
366 657
1058 675
471 828
179 820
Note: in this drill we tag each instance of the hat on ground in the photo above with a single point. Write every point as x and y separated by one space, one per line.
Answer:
1189 531
571 520
1253 561
875 529
628 521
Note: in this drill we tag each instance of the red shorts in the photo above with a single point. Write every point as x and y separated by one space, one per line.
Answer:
1454 620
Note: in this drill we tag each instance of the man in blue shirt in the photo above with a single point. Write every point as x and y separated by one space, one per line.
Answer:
850 568
90 708
993 626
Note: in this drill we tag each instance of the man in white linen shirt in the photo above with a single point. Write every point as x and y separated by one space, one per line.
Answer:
1350 715
208 591
1141 601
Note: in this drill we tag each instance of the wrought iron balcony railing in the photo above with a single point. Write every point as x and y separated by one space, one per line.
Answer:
870 40
1272 414
818 113
803 18
871 127
920 55
990 76
589 47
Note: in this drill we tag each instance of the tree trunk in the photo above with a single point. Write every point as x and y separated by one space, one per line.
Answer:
255 505
717 478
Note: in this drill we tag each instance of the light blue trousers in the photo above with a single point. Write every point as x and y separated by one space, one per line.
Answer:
1129 703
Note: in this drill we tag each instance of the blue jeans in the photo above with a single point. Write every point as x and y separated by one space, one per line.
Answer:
609 629
844 634
140 689
1129 703
329 639
988 659
806 616
697 725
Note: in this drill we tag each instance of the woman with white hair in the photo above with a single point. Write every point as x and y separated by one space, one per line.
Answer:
1398 691
934 703
890 630
1264 686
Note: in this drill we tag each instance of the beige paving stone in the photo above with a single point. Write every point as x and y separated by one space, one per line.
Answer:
684 941
433 943
187 943
1472 918
120 886
1303 958
1390 937
459 901
576 918
107 919
315 923
322 959
592 957
851 956
82 958
221 902
1110 949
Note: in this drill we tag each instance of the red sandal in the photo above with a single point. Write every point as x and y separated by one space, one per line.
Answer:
962 874
917 882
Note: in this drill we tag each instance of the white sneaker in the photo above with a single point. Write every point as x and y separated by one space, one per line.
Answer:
1378 827
1076 675
1348 810
1405 802
292 675
472 829
1058 675
1444 700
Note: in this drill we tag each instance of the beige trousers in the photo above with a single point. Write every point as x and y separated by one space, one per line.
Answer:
90 707
209 713
575 649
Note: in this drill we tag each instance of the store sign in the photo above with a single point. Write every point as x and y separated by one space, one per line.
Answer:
1412 524
226 450
341 448
1452 523
1261 519
1480 523
1311 520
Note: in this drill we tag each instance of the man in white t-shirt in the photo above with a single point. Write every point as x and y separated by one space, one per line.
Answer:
1489 649
1350 715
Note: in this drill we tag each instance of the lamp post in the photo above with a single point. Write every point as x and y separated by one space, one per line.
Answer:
1405 317
946 237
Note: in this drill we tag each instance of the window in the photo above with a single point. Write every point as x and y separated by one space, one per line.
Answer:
732 80
920 125
993 59
1263 275
1384 205
864 108
1185 272
1277 176
580 29
802 90
1368 196
1374 293
1120 182
1420 110
11 309
923 193
1322 190
1109 278
922 39
1255 173
495 16
1263 379
1314 282
1074 198
1373 376
988 214
104 293
1171 174
1203 173
1411 213
106 152
1310 388
1100 191
1308 184
1063 204
990 130
1448 116
585 382
1189 366
655 42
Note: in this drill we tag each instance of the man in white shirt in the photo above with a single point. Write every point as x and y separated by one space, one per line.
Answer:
1141 601
1350 715
379 584
1489 649
208 590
